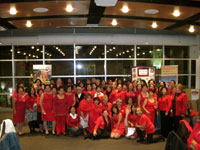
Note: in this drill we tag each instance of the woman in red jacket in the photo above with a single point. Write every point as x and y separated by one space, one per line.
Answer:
149 106
73 122
31 111
164 105
118 123
113 93
120 94
145 126
102 128
194 139
142 95
106 105
60 110
179 106
131 93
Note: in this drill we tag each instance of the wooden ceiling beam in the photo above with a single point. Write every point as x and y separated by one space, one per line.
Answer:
5 24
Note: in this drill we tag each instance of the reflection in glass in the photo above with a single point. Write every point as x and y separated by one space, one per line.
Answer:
90 68
183 65
193 66
183 80
119 67
28 52
149 51
5 52
176 51
6 68
120 51
59 51
90 51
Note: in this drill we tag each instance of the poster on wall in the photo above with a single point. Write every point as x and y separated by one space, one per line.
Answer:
168 73
42 72
143 73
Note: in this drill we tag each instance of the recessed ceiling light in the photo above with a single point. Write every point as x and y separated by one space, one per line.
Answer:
18 52
151 11
125 9
114 48
154 25
191 29
69 8
28 24
40 10
176 13
13 11
129 56
32 47
114 22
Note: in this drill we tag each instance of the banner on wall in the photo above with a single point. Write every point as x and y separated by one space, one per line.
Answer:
168 73
143 73
43 72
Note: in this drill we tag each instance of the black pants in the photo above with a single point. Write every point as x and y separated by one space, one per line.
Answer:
176 120
150 138
165 124
32 126
102 134
39 118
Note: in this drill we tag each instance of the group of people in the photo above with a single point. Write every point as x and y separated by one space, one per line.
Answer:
99 109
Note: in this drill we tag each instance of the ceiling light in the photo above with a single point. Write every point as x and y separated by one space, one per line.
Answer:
117 55
146 43
150 52
143 53
13 11
138 47
33 56
32 47
158 50
69 8
176 13
129 56
114 48
154 25
10 50
28 24
38 49
132 49
120 54
125 9
37 57
56 47
123 52
151 11
29 54
138 54
24 53
18 52
79 66
191 29
127 51
40 10
114 22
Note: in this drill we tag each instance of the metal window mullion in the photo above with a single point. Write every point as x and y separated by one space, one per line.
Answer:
189 77
43 54
163 47
105 62
135 54
13 67
74 63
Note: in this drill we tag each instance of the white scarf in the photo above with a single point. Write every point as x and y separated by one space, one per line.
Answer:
9 127
73 116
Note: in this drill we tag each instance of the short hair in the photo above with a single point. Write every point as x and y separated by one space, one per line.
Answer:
47 85
38 80
180 86
104 97
88 95
119 100
61 87
19 88
114 106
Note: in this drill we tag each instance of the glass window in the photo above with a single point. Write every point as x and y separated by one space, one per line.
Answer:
62 67
27 82
149 51
5 85
183 80
193 66
28 52
120 51
90 67
60 51
25 68
6 68
119 67
193 82
5 52
183 65
155 63
90 51
176 51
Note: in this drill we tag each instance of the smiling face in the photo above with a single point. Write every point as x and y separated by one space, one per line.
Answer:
61 91
73 110
114 110
138 111
105 114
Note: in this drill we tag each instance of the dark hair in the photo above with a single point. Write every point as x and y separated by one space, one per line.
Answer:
150 81
154 90
128 99
19 84
38 91
19 88
71 108
114 106
96 99
59 88
173 81
132 110
143 81
162 89
163 83
88 95
137 86
87 86
106 127
47 85
69 86
29 91
38 80
144 85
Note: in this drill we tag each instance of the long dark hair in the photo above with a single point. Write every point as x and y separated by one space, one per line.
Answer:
29 91
114 106
107 127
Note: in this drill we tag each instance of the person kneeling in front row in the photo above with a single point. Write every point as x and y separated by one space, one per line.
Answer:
145 126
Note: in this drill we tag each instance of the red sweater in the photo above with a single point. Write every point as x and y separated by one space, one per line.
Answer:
164 103
144 120
195 135
30 101
100 123
132 118
108 107
73 122
181 104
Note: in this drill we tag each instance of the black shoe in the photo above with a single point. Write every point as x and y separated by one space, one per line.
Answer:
141 140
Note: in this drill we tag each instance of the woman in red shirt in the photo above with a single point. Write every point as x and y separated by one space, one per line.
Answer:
46 104
19 106
60 107
73 122
106 105
164 105
145 126
71 100
179 106
102 128
120 94
39 115
149 106
118 123
142 95
131 93
31 111
113 93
